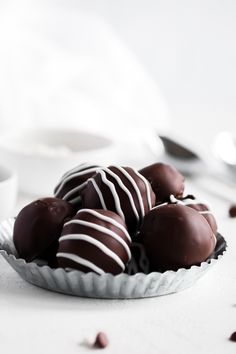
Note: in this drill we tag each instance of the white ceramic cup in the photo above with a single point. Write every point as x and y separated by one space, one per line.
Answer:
8 192
41 156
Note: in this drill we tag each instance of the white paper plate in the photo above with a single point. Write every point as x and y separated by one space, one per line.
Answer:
108 286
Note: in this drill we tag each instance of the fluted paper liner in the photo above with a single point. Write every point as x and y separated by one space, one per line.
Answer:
122 286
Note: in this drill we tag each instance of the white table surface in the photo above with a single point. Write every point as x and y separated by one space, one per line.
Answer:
198 88
197 320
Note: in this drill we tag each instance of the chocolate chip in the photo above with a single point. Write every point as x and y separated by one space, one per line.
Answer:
233 337
101 340
232 211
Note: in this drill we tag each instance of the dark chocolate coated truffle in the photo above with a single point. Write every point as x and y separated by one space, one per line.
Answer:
203 209
232 337
165 180
122 190
176 236
101 340
73 182
95 240
39 225
232 211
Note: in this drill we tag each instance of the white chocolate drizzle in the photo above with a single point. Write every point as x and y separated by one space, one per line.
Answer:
80 260
103 230
107 219
82 167
102 246
96 243
205 212
139 209
160 205
99 193
134 185
113 193
124 188
173 200
148 189
186 202
190 201
73 191
78 171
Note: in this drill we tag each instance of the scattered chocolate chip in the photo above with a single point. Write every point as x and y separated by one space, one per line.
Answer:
232 211
233 337
101 340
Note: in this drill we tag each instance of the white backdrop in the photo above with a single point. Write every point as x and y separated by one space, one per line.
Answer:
188 48
61 65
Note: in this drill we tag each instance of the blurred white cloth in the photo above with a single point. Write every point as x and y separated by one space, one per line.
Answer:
60 66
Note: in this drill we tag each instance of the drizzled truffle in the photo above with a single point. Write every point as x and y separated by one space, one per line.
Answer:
165 180
122 190
203 208
95 240
38 226
72 183
176 236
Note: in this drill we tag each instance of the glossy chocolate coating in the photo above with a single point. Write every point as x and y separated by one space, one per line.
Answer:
101 340
73 182
176 236
165 180
95 240
232 337
122 190
38 226
203 209
232 211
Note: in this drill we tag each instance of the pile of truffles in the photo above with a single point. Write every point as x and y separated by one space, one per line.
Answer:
106 219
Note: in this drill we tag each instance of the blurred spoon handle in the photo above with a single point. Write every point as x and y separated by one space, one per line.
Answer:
217 187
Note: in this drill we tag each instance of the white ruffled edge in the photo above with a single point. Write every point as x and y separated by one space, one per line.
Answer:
77 283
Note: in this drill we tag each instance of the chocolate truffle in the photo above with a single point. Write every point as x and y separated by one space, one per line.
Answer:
101 340
232 338
165 180
232 211
176 236
95 240
122 190
203 208
72 183
39 225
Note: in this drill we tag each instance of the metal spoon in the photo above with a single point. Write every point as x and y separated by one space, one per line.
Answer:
195 163
224 147
185 159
